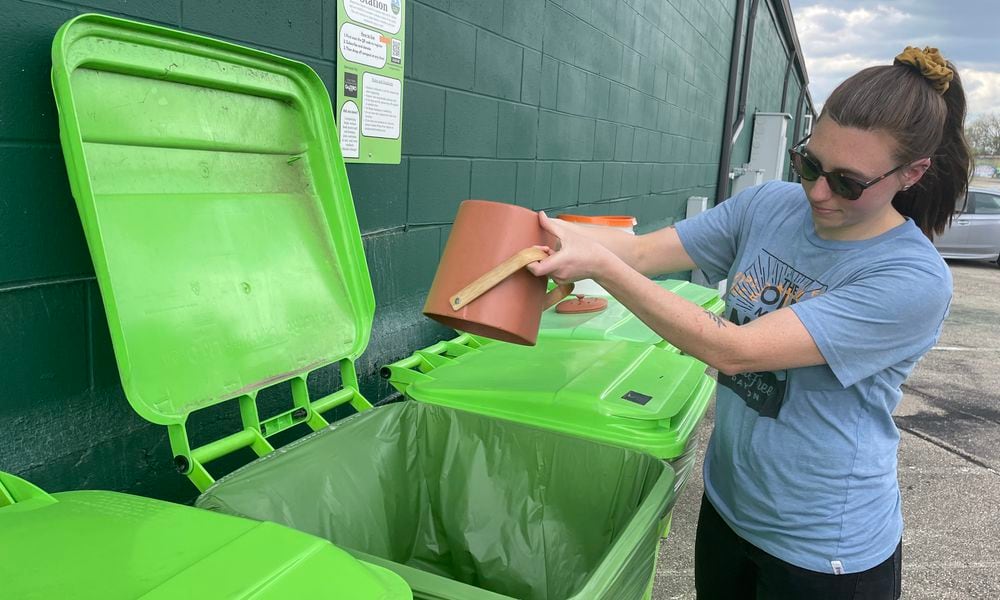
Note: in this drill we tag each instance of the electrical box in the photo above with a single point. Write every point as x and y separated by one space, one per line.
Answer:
768 150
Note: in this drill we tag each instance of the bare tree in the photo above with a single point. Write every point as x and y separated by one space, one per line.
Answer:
984 135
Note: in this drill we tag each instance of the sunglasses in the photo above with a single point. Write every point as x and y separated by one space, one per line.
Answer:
843 185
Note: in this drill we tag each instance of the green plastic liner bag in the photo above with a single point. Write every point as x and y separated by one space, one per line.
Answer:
495 505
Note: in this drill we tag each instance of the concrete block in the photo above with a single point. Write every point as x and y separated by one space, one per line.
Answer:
494 180
444 48
379 193
591 182
598 97
565 137
518 131
296 28
604 141
470 125
44 344
423 119
565 184
524 22
487 14
543 185
612 185
572 90
498 67
436 187
624 142
550 82
41 236
531 76
28 112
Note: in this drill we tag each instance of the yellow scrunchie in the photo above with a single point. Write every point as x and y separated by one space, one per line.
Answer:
931 65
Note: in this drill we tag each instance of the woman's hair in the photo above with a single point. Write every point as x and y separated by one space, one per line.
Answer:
897 99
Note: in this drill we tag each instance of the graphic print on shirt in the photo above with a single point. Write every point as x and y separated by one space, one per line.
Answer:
765 285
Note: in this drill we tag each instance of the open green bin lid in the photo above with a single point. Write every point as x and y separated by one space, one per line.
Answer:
618 323
112 546
622 393
218 214
217 209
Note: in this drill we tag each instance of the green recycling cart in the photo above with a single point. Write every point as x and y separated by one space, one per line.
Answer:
110 546
613 323
535 374
217 210
621 393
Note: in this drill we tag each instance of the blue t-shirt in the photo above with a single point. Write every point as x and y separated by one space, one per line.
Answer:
802 462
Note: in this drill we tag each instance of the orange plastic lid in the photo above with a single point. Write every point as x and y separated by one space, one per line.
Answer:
606 220
581 304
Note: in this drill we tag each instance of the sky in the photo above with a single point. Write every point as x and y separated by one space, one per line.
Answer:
841 37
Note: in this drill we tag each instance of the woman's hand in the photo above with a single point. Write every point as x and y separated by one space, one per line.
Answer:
578 257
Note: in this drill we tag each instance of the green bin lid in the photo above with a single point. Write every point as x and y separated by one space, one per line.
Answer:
217 210
107 545
622 393
618 323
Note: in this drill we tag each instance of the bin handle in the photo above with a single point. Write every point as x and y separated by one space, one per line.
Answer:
504 270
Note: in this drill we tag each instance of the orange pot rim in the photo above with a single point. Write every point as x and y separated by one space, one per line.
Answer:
625 221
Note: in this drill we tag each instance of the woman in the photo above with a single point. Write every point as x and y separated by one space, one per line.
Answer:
834 293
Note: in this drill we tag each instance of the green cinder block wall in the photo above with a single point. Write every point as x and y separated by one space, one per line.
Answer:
589 106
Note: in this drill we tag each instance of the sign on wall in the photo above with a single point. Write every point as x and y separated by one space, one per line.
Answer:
370 38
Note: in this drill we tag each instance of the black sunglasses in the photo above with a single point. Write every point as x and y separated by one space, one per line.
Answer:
843 185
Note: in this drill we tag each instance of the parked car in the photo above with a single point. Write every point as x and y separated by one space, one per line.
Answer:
975 231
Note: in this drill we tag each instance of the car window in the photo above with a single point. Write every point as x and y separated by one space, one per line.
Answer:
965 204
986 204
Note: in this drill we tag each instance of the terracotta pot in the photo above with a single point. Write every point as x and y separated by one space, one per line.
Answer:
481 285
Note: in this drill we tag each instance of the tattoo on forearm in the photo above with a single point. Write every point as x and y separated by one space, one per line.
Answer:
718 320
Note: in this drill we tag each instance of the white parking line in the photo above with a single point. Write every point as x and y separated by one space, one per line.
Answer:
964 349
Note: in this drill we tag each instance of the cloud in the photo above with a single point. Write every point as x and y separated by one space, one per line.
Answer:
841 37
829 31
982 91
826 72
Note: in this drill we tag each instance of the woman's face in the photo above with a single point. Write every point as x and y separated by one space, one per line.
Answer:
862 155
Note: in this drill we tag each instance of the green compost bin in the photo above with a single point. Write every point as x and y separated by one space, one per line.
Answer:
622 393
111 546
618 323
465 506
219 218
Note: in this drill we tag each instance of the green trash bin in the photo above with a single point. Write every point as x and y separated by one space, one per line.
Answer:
626 394
219 218
465 506
614 323
110 546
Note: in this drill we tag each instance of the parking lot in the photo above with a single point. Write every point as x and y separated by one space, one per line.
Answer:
949 460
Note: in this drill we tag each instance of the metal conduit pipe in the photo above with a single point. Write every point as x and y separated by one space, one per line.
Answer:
741 112
722 180
798 114
788 73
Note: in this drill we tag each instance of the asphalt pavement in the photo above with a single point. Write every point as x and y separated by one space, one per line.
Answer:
949 460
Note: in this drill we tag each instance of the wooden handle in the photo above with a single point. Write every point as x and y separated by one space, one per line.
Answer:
557 293
495 275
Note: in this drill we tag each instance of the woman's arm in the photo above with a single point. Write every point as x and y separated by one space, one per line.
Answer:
651 254
772 342
775 341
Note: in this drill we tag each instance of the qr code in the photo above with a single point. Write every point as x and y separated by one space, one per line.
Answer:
397 51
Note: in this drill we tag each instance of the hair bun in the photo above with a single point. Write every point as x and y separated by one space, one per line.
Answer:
930 64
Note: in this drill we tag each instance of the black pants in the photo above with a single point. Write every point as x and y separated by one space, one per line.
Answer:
727 567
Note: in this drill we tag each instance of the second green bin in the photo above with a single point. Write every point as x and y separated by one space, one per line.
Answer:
621 393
